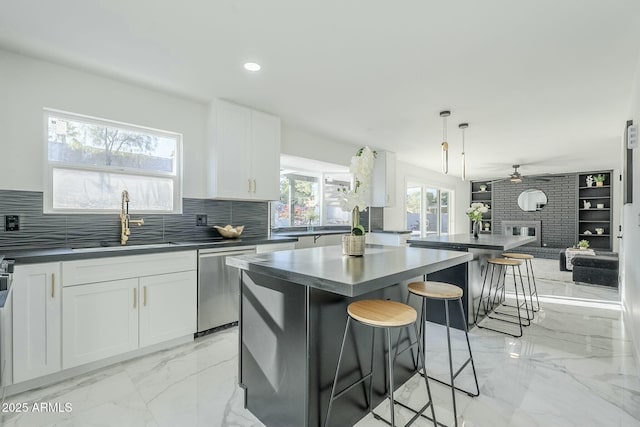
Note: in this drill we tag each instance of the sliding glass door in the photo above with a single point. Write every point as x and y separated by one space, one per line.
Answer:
428 210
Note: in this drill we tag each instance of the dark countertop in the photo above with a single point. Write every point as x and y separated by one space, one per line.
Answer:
496 242
31 256
327 269
300 233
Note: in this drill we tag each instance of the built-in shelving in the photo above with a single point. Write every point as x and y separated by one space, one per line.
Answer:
592 217
480 196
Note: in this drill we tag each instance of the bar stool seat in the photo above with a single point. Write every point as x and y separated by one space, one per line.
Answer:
531 278
387 315
444 292
435 290
382 313
514 255
504 261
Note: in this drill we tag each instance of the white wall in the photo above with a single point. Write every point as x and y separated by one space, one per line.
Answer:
28 85
630 267
300 143
395 217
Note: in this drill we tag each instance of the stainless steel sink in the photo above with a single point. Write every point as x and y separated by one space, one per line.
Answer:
123 248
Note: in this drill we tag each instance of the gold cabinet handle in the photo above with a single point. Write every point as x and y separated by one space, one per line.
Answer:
255 186
135 297
53 285
144 296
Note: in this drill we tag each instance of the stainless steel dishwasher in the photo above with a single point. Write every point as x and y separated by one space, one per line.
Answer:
218 287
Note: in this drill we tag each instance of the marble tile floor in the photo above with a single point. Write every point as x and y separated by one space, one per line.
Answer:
574 367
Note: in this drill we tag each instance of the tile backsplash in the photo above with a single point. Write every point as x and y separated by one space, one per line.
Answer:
38 230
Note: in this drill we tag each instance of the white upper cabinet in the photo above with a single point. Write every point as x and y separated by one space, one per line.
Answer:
244 153
384 180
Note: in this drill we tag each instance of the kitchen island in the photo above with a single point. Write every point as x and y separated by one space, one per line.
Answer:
292 317
482 248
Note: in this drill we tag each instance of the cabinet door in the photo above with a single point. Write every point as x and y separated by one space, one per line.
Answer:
265 156
99 320
6 349
384 180
233 133
168 307
36 321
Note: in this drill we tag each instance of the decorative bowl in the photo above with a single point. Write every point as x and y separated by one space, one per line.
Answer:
229 232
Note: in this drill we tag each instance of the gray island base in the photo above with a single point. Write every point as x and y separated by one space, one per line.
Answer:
483 248
292 317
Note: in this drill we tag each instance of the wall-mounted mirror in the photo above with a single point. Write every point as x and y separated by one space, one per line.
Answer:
532 200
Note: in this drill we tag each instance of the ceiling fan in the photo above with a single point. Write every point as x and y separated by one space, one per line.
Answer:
516 177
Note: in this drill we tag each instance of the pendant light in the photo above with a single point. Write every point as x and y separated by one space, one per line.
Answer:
463 126
445 144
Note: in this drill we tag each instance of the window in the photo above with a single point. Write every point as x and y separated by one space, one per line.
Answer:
309 199
90 161
428 210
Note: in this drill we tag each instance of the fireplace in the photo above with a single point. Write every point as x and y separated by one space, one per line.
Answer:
523 228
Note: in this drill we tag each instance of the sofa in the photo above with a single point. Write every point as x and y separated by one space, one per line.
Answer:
601 269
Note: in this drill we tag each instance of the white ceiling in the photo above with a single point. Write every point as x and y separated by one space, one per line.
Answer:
542 83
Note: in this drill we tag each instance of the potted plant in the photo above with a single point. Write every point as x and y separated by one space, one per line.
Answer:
311 216
599 180
356 200
475 212
583 244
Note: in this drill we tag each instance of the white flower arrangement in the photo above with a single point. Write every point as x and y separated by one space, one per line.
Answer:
476 210
361 168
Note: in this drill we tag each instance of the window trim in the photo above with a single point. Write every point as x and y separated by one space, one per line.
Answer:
177 177
423 208
322 217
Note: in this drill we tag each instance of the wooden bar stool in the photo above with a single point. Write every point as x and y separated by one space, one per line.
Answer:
531 278
386 315
499 294
444 292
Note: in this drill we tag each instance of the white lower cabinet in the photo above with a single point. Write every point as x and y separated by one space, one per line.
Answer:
36 320
168 307
100 320
119 314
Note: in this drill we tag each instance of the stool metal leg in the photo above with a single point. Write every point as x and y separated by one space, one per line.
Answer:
424 368
390 361
475 319
518 304
373 346
453 390
335 378
535 287
453 375
473 366
414 359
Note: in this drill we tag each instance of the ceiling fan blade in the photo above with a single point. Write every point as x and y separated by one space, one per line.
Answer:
497 180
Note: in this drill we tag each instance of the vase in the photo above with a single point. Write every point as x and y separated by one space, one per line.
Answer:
599 183
353 245
476 229
355 217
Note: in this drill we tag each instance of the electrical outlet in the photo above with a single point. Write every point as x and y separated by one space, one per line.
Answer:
11 223
201 220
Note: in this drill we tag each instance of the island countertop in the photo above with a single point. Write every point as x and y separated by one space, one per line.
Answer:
327 269
458 242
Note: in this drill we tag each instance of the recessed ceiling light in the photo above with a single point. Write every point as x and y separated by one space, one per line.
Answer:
252 66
